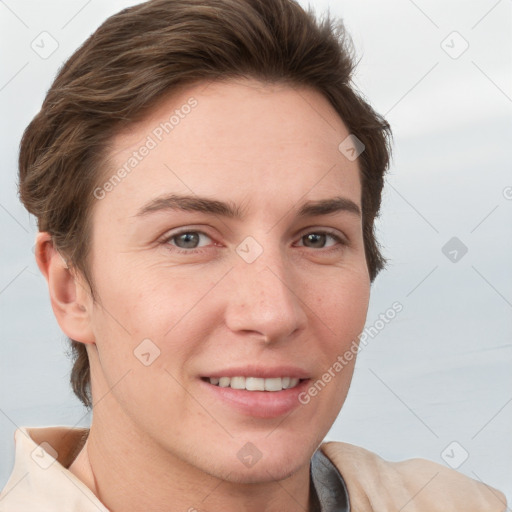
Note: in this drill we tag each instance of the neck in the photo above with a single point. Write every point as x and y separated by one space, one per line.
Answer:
129 472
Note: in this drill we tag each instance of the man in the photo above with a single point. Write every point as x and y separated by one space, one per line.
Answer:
206 183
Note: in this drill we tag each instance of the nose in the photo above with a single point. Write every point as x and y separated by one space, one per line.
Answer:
264 301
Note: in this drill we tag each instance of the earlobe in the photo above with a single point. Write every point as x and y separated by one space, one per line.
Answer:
71 301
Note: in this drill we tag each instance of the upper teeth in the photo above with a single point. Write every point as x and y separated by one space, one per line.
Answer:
255 383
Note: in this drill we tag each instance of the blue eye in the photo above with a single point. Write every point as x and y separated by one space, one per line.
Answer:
187 239
193 241
318 239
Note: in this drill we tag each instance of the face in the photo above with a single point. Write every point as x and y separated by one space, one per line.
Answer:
229 255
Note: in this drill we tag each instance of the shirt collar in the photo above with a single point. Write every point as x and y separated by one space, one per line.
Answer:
40 479
328 489
40 475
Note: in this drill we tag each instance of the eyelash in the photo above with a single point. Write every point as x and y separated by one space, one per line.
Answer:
341 242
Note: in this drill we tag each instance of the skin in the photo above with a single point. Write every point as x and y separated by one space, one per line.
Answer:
158 441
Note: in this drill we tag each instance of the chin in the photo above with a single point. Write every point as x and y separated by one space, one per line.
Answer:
262 473
267 465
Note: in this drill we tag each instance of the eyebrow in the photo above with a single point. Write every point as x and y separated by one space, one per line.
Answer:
233 211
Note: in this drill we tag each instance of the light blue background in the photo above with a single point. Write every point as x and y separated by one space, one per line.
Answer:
441 371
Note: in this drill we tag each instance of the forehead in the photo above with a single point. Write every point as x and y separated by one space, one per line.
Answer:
239 137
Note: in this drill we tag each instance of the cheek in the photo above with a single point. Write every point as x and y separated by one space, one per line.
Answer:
158 304
341 303
142 294
139 325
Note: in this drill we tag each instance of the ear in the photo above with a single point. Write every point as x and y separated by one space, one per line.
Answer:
69 293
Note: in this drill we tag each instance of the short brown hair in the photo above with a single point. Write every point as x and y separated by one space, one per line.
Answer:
143 53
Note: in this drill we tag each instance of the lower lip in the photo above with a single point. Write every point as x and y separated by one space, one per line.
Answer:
259 404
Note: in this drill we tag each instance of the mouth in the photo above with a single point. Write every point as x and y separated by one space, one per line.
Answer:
271 384
265 395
